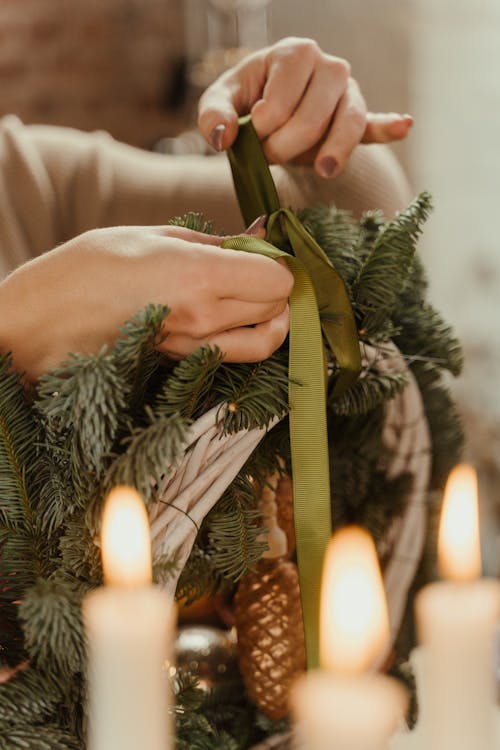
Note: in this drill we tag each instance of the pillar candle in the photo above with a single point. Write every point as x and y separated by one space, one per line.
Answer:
129 624
345 705
457 619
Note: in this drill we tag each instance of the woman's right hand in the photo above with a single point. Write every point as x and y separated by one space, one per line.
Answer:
75 297
305 106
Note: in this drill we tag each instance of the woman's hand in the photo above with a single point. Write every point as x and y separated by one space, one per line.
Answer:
75 297
305 107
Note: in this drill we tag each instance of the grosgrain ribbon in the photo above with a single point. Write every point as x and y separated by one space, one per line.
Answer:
319 306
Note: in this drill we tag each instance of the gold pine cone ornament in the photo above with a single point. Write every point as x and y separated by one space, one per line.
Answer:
268 615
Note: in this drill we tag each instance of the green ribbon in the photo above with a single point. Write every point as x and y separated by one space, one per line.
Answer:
320 312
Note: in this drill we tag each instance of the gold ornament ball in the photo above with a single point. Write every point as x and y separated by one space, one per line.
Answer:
207 652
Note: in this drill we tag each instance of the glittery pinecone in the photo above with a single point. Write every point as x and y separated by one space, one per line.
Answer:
271 650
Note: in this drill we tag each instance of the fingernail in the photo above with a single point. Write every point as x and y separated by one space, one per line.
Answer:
257 225
327 166
216 137
408 119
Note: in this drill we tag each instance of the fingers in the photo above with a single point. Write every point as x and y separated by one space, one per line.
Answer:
218 116
243 344
249 277
289 68
345 133
223 315
313 112
254 344
231 95
269 83
304 106
385 127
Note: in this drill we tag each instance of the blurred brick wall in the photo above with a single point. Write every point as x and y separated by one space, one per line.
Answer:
109 64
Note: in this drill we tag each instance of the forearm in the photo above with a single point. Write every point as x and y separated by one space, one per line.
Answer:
101 182
56 183
138 187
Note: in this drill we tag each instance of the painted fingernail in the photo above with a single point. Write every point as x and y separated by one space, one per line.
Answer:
407 119
327 166
257 226
400 127
216 137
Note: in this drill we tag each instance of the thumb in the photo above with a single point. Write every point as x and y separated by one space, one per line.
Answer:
217 116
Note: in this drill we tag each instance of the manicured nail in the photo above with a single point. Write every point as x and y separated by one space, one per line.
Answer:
327 166
400 126
258 225
216 137
408 119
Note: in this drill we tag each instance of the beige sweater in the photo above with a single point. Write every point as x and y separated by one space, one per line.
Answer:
56 183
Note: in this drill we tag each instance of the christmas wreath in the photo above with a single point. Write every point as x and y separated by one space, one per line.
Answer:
207 444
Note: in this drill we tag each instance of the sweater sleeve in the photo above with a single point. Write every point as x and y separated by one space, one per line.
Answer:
56 183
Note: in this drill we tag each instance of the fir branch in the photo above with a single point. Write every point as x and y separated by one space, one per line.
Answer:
227 709
23 549
337 233
371 225
19 480
53 507
223 719
188 695
235 536
368 392
81 405
149 455
29 697
80 555
426 336
199 577
134 352
164 569
46 737
193 220
254 393
387 502
386 271
21 562
187 390
416 288
52 624
272 726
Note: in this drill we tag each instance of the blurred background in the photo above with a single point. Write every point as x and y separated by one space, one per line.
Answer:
136 68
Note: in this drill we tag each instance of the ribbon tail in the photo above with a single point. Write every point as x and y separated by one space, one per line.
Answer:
308 437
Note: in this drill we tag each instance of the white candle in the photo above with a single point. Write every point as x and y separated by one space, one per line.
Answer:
129 625
344 706
457 620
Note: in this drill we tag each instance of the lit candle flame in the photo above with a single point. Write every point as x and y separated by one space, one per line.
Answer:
458 545
354 621
125 539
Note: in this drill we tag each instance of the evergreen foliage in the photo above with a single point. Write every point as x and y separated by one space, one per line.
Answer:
233 539
121 416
